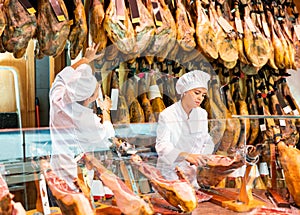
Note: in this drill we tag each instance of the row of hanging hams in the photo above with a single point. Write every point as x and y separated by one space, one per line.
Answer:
143 92
253 33
51 23
267 93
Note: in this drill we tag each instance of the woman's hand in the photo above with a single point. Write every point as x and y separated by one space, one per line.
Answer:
106 104
195 159
89 56
90 52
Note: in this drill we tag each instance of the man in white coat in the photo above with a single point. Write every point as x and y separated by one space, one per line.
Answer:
182 133
74 127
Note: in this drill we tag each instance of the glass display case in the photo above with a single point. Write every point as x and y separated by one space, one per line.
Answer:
227 186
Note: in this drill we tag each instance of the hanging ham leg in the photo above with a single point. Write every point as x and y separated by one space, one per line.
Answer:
252 109
172 32
206 37
78 31
178 193
119 29
277 44
52 34
3 21
20 28
127 201
97 31
185 28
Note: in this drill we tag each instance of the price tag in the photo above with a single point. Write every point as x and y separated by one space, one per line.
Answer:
250 24
114 98
263 127
157 15
135 13
263 168
58 10
44 195
266 29
224 24
238 25
28 6
297 31
282 122
296 112
287 109
120 8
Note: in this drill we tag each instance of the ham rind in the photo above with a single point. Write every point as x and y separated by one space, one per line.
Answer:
7 205
179 193
128 202
5 198
289 159
217 168
69 201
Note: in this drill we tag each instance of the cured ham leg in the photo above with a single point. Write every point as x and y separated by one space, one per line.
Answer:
185 28
52 34
206 37
127 201
7 205
69 201
119 30
20 29
289 160
78 31
96 25
218 168
178 193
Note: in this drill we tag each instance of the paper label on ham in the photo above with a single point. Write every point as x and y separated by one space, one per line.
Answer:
297 31
266 29
135 13
287 109
282 123
120 9
114 98
263 127
238 25
26 4
44 195
157 15
57 10
250 24
224 24
296 112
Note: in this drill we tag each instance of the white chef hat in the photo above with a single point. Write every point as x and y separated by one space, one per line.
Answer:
83 84
191 80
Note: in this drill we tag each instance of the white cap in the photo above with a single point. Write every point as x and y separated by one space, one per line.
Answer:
84 85
154 92
191 80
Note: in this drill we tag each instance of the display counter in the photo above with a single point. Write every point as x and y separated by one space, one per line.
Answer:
22 149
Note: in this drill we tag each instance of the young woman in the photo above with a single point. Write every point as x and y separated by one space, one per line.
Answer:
182 133
74 127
